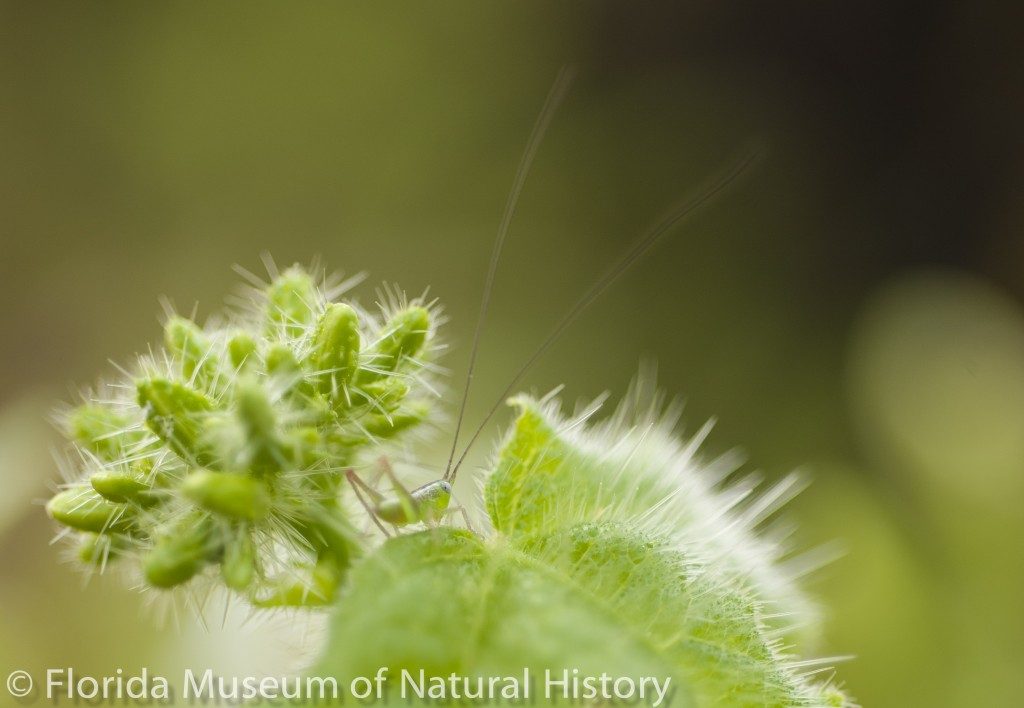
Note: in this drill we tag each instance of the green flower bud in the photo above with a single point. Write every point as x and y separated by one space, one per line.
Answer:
100 549
335 353
241 349
235 495
316 589
84 509
121 486
175 413
180 553
291 300
384 427
304 446
405 336
263 452
102 430
384 394
238 568
187 344
281 362
285 369
255 411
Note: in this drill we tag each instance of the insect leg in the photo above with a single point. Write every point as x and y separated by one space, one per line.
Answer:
376 477
465 516
405 498
358 486
356 481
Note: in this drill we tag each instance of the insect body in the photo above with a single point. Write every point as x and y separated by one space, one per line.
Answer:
427 504
430 503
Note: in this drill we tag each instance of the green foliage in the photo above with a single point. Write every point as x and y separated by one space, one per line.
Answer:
551 474
575 575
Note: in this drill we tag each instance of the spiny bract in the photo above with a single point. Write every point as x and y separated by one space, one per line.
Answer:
226 449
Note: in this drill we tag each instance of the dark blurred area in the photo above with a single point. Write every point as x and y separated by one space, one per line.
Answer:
852 308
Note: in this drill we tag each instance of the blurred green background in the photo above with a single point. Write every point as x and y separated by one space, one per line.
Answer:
853 308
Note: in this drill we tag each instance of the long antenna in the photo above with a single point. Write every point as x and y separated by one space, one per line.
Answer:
714 187
555 96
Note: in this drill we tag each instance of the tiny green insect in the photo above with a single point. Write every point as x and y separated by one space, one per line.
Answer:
427 504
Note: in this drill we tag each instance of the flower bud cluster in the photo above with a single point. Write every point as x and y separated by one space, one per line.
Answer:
224 451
